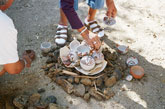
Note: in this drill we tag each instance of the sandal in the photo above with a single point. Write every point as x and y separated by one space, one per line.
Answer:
61 35
94 27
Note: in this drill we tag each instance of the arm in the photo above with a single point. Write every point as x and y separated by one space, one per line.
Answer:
111 11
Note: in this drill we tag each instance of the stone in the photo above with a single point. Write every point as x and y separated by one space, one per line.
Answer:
34 98
50 99
77 80
79 90
67 86
53 106
87 97
118 74
20 101
41 90
86 82
110 81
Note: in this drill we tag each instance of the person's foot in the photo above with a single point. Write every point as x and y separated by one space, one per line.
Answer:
94 27
28 56
61 35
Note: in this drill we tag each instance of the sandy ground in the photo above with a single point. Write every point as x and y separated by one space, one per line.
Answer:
140 25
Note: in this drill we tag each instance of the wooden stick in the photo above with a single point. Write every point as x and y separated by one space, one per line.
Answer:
76 75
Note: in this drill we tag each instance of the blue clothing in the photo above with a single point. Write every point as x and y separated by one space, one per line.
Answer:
69 7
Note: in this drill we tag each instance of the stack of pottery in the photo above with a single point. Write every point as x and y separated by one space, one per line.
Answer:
81 54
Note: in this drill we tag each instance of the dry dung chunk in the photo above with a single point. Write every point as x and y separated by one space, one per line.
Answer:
99 81
79 90
94 93
71 79
34 99
110 81
50 65
51 69
108 93
49 60
86 81
87 97
20 101
77 80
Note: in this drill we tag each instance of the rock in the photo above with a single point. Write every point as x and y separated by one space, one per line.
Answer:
118 74
99 81
34 99
110 81
50 99
77 80
53 106
86 82
79 90
68 87
50 54
20 101
71 79
52 69
41 90
31 107
94 93
87 97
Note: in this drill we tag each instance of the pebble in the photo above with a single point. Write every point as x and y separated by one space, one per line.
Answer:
41 90
50 99
34 99
87 97
20 101
110 81
79 90
86 81
53 106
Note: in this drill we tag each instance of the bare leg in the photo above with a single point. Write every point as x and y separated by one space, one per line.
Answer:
63 19
91 14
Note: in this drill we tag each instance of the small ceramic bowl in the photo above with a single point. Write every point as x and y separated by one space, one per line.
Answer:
98 56
87 63
74 44
46 47
83 50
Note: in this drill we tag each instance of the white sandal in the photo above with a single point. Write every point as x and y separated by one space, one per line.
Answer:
61 35
94 27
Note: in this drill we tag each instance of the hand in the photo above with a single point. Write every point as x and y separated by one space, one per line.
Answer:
112 11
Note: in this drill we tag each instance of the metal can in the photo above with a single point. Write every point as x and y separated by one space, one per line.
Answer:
122 49
132 61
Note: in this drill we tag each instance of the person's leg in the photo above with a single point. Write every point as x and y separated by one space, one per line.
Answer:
63 18
91 14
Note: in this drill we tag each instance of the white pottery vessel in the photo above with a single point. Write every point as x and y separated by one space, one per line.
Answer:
83 50
98 56
73 45
73 56
87 63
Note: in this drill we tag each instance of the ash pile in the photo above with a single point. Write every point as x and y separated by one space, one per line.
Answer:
97 86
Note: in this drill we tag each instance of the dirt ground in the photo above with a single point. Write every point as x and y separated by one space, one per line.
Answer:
140 25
